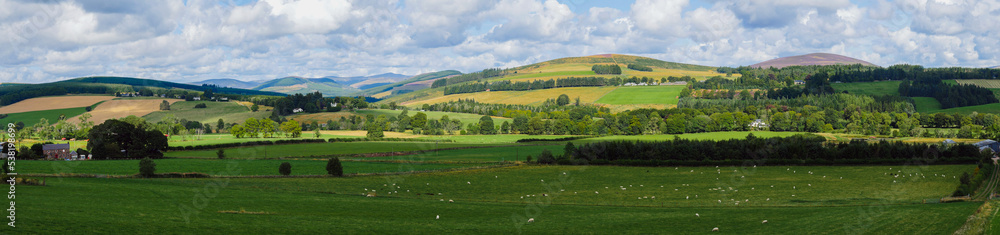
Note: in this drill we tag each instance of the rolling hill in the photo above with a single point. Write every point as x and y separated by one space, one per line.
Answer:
569 67
810 59
229 82
418 82
163 84
292 85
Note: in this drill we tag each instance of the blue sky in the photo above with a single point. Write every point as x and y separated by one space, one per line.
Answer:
193 40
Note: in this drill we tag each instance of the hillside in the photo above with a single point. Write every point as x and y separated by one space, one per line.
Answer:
810 59
229 82
418 82
563 68
366 80
163 84
292 85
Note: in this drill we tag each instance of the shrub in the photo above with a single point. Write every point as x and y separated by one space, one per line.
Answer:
528 159
334 168
221 153
546 157
147 168
200 106
285 168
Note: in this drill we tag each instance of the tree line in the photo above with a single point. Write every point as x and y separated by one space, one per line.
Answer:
481 75
950 96
798 149
606 69
637 67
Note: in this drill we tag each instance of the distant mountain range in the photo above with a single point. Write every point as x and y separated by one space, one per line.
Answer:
328 86
810 59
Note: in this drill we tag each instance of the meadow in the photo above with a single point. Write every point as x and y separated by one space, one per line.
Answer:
532 97
228 167
230 112
868 88
663 95
560 199
319 149
926 104
33 117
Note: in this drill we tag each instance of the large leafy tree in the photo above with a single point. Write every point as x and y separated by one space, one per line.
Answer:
109 139
486 126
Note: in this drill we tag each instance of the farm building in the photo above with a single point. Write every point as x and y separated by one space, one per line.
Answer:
56 151
991 145
948 141
758 124
799 82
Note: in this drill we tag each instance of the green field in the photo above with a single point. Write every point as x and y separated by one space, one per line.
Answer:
986 108
229 167
926 104
466 118
868 88
491 154
30 118
230 112
490 139
864 201
226 138
318 149
642 95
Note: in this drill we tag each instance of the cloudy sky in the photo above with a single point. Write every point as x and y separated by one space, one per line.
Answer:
50 40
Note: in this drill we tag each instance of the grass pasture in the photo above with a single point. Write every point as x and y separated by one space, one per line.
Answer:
868 88
532 97
642 97
986 108
864 201
226 167
32 117
230 112
319 149
926 104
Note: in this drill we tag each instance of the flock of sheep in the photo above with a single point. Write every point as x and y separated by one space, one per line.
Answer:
720 190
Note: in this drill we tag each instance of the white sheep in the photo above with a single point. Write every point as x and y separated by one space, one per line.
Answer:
531 220
716 229
437 217
765 221
697 215
449 200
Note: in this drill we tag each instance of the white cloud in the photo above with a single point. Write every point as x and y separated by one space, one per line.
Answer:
203 39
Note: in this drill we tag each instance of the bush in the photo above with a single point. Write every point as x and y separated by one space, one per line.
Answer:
221 153
147 168
528 159
334 168
546 157
200 106
285 168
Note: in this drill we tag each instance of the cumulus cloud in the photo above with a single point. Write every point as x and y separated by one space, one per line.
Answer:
192 40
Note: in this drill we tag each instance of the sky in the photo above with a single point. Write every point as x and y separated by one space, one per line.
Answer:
193 40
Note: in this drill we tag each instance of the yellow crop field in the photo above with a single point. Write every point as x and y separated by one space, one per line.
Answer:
533 97
123 108
54 102
319 117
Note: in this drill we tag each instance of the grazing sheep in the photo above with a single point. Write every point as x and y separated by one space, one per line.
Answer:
697 215
765 221
371 194
716 229
595 192
468 182
449 200
437 217
531 220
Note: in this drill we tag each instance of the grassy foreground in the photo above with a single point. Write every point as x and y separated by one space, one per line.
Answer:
484 204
